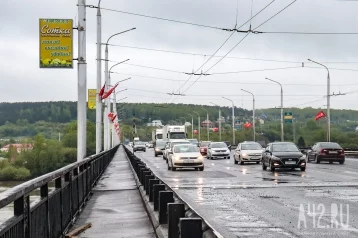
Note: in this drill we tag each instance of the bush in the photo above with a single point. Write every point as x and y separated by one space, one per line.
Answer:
70 155
12 173
4 163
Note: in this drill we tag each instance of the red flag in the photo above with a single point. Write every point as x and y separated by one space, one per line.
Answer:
110 91
114 117
110 115
247 125
320 115
102 90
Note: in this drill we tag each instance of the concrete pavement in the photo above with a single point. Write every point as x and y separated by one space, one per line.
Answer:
116 209
244 200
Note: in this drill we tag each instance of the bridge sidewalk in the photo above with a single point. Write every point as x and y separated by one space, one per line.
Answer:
116 208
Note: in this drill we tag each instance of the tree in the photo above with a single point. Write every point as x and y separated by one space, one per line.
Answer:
301 142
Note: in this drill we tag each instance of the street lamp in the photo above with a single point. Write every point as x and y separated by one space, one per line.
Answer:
107 83
219 120
233 120
253 111
184 123
192 125
99 83
282 134
207 122
328 101
198 122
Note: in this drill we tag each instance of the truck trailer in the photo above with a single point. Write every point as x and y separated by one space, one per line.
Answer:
174 132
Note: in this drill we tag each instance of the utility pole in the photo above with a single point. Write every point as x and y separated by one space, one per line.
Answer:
219 119
233 120
253 113
192 126
207 122
82 82
99 81
282 127
198 123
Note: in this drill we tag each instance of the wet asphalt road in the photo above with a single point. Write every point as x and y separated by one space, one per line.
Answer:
245 201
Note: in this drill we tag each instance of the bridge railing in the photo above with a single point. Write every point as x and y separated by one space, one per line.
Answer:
55 211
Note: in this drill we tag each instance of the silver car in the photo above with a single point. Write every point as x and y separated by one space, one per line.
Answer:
248 152
169 147
185 156
218 150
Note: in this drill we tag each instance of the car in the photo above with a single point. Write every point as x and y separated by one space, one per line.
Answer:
194 142
218 150
139 146
159 147
326 151
248 152
150 145
185 156
283 155
169 146
228 144
204 147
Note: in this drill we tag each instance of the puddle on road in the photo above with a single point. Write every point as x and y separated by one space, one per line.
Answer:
275 180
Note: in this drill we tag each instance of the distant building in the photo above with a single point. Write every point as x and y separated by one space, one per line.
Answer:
207 123
157 123
19 147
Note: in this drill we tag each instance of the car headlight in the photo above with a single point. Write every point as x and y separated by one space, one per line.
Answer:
303 158
244 154
176 158
200 158
227 151
275 158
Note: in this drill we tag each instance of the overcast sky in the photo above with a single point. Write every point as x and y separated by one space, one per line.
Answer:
23 80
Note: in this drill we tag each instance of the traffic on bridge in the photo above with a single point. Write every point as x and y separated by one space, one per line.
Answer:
178 119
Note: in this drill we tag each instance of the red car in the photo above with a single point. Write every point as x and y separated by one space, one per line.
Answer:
204 147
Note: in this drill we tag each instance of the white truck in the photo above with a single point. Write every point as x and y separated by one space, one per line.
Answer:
174 132
136 139
157 134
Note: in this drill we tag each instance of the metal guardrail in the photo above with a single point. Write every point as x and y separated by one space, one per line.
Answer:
181 219
54 213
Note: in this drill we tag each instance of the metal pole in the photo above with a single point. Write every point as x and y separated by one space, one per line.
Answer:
253 112
207 122
106 111
115 112
282 124
220 123
192 126
198 123
99 82
233 120
82 82
328 101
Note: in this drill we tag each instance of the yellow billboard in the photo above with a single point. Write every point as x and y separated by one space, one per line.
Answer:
92 98
56 43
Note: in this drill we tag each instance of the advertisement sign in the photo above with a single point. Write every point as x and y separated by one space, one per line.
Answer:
56 43
92 98
288 117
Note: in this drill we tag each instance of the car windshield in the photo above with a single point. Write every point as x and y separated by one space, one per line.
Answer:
177 135
251 146
159 136
218 145
185 149
330 145
284 147
161 144
203 144
193 141
178 143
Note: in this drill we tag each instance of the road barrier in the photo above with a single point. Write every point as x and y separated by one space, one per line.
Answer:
55 212
170 215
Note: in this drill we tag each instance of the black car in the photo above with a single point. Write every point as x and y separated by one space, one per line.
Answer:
326 151
228 144
159 147
283 155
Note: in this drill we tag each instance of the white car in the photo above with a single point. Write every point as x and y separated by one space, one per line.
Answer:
218 150
185 156
169 147
248 152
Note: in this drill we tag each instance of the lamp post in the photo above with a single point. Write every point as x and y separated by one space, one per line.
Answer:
192 125
219 119
184 123
233 120
282 133
253 112
328 101
99 81
207 122
106 121
198 122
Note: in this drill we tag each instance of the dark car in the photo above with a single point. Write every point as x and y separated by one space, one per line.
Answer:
326 151
228 144
159 147
283 155
139 146
204 147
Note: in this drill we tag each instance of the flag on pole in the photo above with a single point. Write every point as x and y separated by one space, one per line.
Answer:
102 90
110 91
320 115
247 125
114 117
